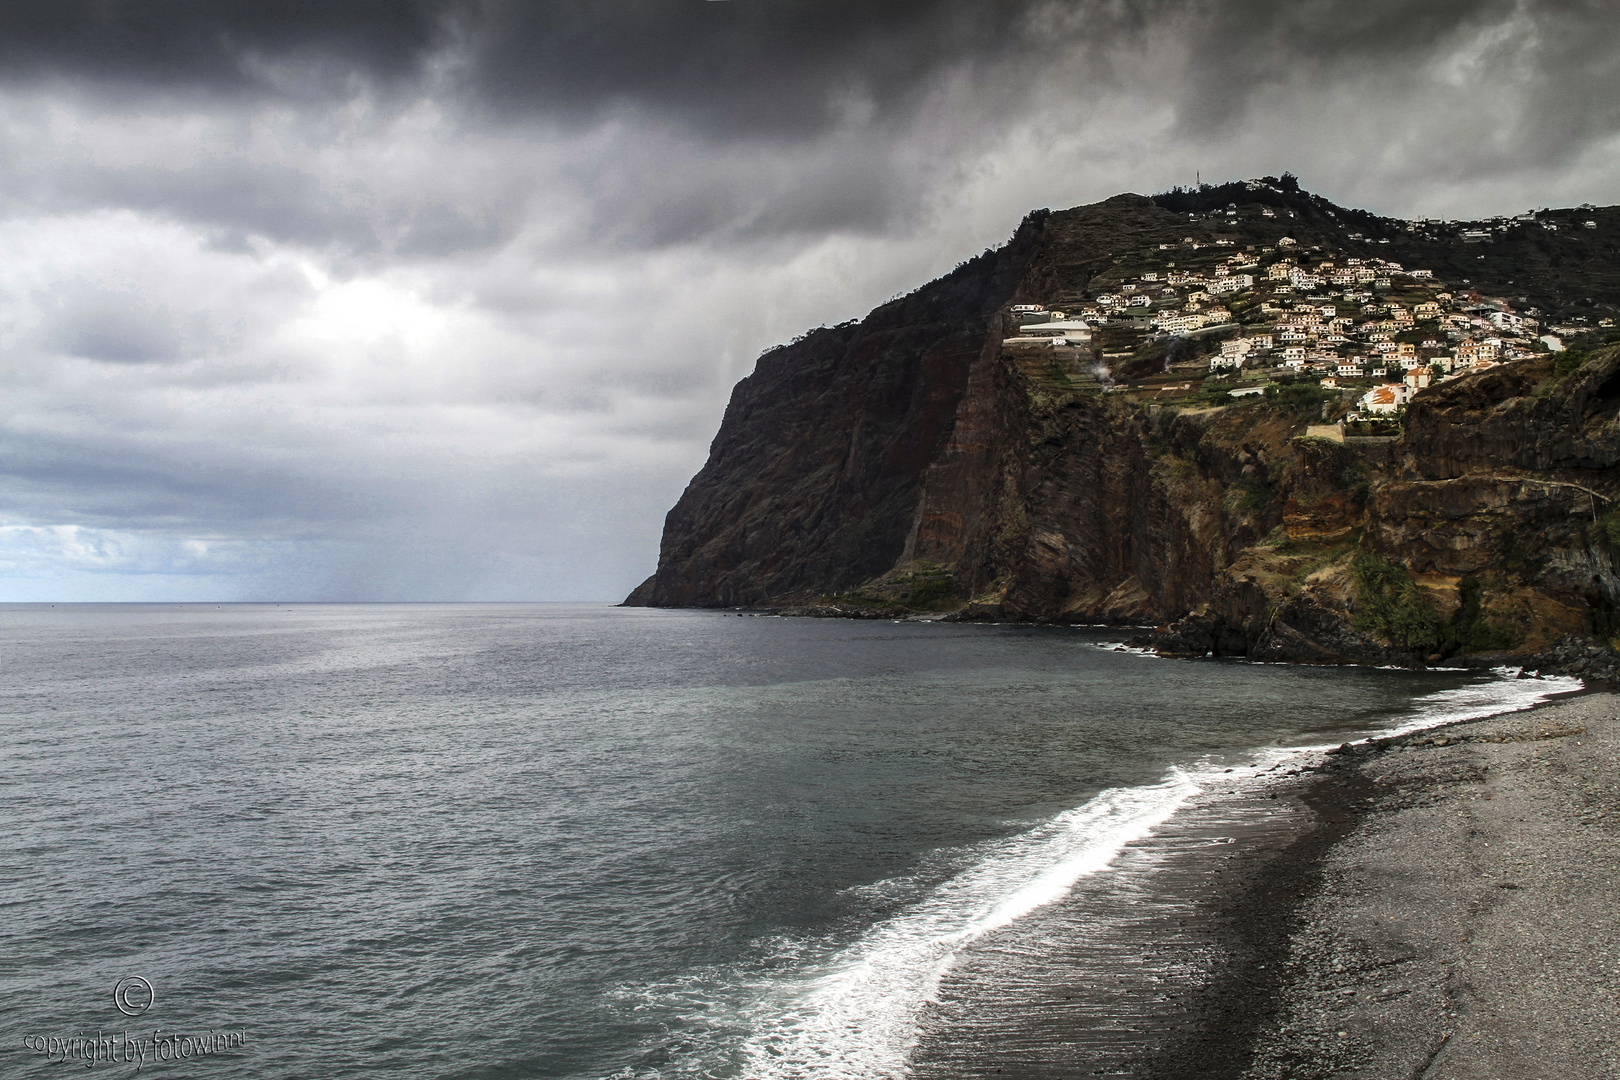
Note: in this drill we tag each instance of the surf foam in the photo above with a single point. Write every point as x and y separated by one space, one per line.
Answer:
857 1016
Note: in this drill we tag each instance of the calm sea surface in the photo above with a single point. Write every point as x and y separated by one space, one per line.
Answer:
570 841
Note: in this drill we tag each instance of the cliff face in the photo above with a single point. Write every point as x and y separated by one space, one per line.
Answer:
1081 507
912 461
812 485
1499 494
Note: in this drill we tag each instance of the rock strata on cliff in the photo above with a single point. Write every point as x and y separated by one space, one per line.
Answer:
919 461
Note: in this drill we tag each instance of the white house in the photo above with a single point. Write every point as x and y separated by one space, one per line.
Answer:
1061 332
1232 283
1384 399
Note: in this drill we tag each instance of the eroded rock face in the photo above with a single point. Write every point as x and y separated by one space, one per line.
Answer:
1502 476
1508 472
901 439
1515 419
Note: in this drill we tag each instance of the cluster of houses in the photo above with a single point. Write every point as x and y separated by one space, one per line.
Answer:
1366 323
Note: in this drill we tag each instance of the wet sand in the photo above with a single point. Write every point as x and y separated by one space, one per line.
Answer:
1406 909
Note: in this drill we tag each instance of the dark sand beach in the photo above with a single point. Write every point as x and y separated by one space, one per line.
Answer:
1439 905
1452 912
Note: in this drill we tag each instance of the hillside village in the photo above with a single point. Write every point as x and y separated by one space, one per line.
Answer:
1236 320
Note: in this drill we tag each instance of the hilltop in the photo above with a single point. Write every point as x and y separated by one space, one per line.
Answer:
1271 425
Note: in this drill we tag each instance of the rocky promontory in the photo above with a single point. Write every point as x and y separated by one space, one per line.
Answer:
935 458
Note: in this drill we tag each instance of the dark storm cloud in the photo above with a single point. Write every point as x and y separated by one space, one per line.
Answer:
745 66
775 67
787 69
671 75
206 42
753 119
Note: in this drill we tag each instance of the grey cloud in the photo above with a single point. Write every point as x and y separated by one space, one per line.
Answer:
438 230
114 327
129 482
313 533
1393 50
777 68
658 192
235 199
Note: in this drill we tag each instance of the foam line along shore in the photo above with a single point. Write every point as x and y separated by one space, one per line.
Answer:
877 1008
1450 912
1175 963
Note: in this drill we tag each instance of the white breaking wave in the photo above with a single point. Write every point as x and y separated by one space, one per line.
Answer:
1506 694
857 1015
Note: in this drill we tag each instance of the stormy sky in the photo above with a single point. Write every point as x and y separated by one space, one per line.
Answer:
387 300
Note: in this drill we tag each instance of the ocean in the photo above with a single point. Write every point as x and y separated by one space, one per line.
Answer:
569 841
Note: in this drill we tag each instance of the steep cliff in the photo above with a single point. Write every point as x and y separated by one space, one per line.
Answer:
918 460
812 484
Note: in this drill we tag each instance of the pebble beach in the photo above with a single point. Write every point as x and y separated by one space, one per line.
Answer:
1455 913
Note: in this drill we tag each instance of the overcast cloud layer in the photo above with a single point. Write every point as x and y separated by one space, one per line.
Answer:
380 300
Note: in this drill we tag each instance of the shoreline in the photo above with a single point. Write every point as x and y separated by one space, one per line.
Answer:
1574 656
1322 937
1449 912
